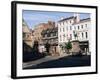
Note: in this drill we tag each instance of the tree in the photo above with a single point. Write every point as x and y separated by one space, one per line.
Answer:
68 46
47 46
35 47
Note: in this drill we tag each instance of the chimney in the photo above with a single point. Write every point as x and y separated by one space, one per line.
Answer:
62 18
77 16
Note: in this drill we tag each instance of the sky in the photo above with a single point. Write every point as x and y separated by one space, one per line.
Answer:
33 18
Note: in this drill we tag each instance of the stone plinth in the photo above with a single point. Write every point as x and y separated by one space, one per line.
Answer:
75 46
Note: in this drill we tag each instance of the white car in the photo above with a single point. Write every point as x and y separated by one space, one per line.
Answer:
41 48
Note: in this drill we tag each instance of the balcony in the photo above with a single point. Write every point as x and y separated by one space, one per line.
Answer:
51 37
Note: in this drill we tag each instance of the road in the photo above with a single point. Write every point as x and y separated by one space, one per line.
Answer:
67 61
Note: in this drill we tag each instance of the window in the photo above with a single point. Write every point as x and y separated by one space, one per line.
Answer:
82 35
48 35
54 34
86 35
70 36
82 26
78 27
85 25
64 35
63 38
67 28
45 35
70 21
60 29
60 38
74 27
51 34
70 27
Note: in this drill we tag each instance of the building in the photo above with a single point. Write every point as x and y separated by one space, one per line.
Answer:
82 29
27 36
50 36
37 33
73 29
39 28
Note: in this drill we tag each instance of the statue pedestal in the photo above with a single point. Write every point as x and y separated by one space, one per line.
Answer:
75 47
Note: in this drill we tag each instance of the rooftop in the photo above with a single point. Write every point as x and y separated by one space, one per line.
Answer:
66 18
83 20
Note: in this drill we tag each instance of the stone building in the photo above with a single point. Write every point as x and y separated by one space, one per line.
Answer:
27 36
39 28
50 36
36 32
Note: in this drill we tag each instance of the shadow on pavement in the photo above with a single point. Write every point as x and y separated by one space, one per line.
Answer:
69 61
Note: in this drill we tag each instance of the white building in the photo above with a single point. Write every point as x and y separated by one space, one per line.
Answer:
71 26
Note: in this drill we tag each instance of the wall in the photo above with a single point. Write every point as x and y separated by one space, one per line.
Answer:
5 40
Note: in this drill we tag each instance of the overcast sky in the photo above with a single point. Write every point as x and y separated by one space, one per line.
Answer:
33 18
